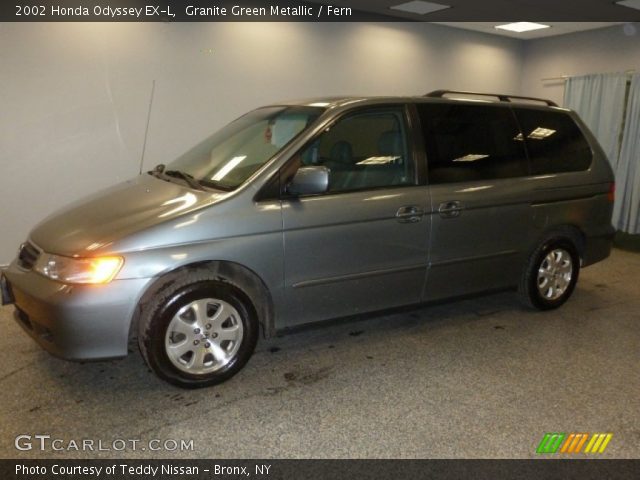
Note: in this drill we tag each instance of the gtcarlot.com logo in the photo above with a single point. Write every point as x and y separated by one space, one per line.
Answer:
48 443
574 443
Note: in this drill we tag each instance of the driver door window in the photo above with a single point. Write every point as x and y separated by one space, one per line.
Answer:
364 151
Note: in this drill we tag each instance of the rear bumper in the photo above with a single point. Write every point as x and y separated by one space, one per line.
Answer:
598 247
88 322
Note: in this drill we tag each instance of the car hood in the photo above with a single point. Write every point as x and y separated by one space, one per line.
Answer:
94 223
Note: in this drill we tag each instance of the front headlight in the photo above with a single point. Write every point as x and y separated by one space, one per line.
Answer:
79 270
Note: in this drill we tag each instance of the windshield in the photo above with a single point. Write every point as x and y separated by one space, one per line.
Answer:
230 156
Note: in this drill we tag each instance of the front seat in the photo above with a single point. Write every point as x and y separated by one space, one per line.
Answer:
391 169
340 164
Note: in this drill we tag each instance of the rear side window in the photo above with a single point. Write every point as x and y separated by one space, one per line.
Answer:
554 141
471 142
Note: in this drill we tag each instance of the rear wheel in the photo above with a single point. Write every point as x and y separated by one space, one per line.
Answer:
551 274
198 334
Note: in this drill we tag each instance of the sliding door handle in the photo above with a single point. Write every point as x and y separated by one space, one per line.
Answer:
409 214
452 209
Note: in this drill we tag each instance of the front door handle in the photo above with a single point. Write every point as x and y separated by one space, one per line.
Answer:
451 209
409 214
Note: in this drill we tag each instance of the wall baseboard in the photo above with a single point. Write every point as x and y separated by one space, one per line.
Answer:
626 241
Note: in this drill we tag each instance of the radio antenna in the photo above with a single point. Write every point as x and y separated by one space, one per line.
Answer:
146 130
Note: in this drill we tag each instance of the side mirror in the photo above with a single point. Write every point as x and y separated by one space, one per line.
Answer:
309 181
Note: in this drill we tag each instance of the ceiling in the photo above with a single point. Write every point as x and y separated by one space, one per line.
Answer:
557 28
564 16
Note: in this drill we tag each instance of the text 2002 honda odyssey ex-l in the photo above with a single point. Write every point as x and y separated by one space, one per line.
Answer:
306 211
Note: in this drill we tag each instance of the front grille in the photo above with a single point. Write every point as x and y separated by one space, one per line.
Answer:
28 256
40 330
24 318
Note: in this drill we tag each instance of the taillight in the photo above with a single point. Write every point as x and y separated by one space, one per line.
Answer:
611 195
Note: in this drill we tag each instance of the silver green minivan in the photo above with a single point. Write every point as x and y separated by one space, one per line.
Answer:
305 211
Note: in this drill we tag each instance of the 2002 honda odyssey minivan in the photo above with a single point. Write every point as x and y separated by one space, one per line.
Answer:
305 211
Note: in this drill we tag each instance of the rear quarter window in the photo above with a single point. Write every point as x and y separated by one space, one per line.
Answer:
554 141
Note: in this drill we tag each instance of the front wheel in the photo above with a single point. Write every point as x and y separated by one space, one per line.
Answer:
551 274
198 334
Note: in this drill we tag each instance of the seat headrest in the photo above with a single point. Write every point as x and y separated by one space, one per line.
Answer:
390 143
342 152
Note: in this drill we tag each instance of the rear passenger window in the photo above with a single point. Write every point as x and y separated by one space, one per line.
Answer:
554 141
471 142
363 151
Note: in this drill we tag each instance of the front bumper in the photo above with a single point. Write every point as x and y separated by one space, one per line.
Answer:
75 322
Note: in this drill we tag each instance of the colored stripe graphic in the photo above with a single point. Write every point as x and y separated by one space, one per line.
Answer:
568 443
573 443
581 443
550 442
598 443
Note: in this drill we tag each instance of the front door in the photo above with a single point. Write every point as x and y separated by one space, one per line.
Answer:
363 245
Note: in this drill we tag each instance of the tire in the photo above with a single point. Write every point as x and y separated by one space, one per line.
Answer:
197 331
551 273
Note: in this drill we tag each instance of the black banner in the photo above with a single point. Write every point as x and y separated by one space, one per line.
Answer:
305 11
547 469
180 11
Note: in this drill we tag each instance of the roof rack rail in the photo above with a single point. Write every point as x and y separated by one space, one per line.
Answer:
501 97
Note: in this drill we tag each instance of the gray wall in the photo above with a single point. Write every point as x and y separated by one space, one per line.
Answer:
75 96
613 49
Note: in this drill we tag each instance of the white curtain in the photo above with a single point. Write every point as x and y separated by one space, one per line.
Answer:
599 100
626 212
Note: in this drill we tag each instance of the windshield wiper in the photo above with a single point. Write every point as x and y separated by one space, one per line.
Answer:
216 185
192 182
158 169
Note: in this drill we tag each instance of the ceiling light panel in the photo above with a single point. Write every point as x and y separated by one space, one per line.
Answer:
419 7
520 27
630 4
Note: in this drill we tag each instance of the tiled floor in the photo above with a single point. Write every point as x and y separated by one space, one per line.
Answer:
478 378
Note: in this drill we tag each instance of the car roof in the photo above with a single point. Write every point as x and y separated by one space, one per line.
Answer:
435 97
326 102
